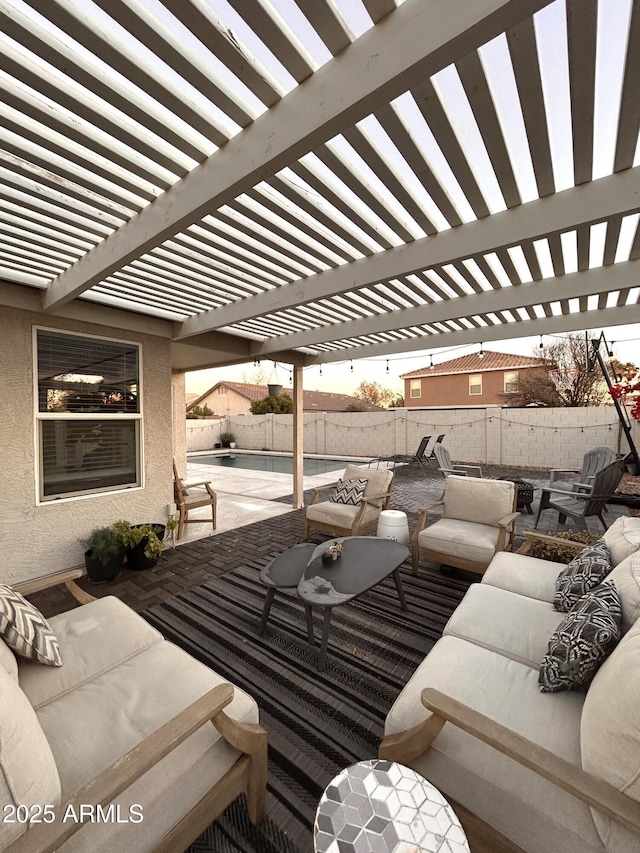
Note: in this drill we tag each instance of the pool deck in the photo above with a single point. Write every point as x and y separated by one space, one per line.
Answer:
245 496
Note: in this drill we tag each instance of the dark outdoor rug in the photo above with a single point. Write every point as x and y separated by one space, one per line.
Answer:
318 723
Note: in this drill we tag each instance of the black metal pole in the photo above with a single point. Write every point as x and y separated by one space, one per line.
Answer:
622 415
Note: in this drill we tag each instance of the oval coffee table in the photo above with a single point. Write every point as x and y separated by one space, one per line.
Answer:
365 561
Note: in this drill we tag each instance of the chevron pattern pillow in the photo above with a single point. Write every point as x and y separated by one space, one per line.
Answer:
583 573
582 641
26 630
349 492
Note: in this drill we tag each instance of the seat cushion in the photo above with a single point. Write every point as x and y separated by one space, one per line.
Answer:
91 727
466 540
504 622
622 538
479 500
93 639
532 812
28 772
582 641
339 515
610 733
525 575
8 660
626 577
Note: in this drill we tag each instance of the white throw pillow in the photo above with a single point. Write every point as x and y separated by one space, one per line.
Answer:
623 538
626 577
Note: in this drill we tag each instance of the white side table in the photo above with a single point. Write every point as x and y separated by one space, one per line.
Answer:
386 807
393 524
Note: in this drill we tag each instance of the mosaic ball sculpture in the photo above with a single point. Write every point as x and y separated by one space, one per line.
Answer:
382 807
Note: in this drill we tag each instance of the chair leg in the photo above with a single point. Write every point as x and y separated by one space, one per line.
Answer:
213 515
414 558
182 517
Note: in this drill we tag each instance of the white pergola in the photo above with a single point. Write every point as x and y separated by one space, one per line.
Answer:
322 180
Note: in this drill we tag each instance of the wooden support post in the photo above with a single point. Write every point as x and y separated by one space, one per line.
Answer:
298 443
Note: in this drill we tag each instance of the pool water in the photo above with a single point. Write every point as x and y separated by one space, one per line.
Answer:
277 464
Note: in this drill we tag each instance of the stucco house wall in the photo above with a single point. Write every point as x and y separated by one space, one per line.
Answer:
39 540
453 390
226 402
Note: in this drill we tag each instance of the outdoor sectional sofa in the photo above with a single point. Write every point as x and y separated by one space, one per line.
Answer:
128 719
482 677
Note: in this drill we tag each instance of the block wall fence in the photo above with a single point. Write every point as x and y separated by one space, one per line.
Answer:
540 438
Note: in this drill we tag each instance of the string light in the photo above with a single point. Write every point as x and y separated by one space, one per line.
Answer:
540 345
481 353
431 363
351 365
610 350
387 365
320 370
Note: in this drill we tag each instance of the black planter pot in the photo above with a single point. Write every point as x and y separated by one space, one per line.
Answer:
99 572
136 559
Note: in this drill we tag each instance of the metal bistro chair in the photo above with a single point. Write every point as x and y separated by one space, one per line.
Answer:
447 467
582 500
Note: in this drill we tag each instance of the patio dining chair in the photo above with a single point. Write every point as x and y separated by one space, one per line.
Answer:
186 502
447 467
579 501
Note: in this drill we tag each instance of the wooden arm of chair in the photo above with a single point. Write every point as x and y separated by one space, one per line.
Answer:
46 838
67 577
532 536
568 777
193 485
318 490
422 520
506 526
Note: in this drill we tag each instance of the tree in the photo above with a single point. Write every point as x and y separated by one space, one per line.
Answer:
202 411
282 405
563 378
374 393
355 407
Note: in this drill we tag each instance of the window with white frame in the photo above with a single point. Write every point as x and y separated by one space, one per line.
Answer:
475 383
88 414
510 381
415 388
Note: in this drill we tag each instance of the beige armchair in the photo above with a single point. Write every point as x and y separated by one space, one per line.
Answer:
343 519
477 522
185 501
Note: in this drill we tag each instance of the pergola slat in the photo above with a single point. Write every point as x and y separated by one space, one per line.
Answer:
629 120
582 16
328 26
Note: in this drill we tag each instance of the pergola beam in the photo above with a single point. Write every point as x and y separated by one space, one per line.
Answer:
614 196
408 46
595 319
570 286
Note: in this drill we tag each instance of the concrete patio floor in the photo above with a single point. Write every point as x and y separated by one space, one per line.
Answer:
256 521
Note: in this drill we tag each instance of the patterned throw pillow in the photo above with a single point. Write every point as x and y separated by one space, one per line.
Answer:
349 492
582 641
583 573
26 630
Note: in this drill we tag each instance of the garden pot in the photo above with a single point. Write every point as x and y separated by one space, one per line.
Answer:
217 445
274 390
99 572
136 559
327 559
232 445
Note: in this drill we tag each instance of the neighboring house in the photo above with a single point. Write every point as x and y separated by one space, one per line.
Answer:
472 380
235 398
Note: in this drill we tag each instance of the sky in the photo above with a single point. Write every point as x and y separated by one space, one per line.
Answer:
340 379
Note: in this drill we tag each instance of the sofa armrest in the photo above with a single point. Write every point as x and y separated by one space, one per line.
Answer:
67 577
595 792
46 838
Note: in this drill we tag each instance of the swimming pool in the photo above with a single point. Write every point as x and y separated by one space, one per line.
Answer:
278 464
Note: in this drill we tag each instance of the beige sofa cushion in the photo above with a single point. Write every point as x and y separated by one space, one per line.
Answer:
463 539
525 575
339 515
622 538
535 814
8 660
610 733
378 480
475 499
129 702
93 639
509 624
28 773
626 577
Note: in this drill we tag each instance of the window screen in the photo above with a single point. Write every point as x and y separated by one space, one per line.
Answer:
89 414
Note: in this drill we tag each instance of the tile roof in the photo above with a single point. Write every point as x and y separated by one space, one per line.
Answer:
321 401
473 363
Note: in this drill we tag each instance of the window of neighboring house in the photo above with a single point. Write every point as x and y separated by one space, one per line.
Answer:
510 381
415 388
88 414
475 383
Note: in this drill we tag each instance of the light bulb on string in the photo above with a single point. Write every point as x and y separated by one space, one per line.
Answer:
481 353
320 370
387 366
540 345
431 363
610 350
351 366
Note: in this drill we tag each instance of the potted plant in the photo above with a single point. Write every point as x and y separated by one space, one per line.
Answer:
228 439
104 554
142 542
